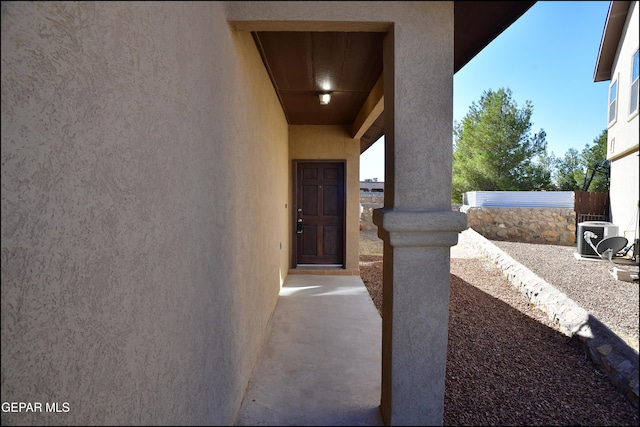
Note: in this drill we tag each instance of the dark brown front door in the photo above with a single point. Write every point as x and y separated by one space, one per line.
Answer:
319 212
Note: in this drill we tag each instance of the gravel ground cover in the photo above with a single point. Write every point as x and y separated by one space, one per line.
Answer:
507 364
587 282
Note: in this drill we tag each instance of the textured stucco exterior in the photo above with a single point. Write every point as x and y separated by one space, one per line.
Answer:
624 194
141 255
146 204
333 143
623 135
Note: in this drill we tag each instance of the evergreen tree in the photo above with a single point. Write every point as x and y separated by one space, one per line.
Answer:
587 170
569 173
495 151
596 165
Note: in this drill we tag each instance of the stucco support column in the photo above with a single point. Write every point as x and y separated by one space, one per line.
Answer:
417 224
415 311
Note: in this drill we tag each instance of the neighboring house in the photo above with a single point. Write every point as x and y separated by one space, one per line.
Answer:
156 159
618 63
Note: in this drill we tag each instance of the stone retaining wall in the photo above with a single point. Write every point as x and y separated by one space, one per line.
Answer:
369 201
555 226
533 225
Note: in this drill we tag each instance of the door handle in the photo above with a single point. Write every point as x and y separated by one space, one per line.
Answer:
299 228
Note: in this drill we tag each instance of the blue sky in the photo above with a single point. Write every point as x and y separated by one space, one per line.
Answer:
548 57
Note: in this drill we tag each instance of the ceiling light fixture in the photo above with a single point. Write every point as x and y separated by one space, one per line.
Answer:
325 98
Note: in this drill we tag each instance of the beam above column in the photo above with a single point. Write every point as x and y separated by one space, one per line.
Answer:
372 108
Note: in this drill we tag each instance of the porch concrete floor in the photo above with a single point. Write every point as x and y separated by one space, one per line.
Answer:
321 364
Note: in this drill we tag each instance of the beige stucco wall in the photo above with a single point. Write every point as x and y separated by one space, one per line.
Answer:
624 193
333 143
141 255
624 134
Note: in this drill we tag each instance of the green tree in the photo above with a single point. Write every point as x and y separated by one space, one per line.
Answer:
494 149
569 173
587 170
596 165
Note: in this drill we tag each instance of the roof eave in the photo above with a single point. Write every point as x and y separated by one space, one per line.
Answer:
479 23
614 24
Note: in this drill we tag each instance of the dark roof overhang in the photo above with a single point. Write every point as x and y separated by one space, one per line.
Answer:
616 17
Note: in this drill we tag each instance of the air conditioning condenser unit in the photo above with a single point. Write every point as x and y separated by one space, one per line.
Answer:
601 229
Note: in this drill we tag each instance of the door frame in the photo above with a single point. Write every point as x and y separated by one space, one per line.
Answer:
294 246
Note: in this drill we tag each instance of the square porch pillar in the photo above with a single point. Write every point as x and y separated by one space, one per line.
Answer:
415 312
417 224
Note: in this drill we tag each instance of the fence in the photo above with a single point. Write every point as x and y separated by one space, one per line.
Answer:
591 206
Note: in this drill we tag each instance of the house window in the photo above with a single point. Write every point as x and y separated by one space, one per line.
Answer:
613 98
633 104
612 146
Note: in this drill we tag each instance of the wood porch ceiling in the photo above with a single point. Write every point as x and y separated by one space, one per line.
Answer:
301 63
